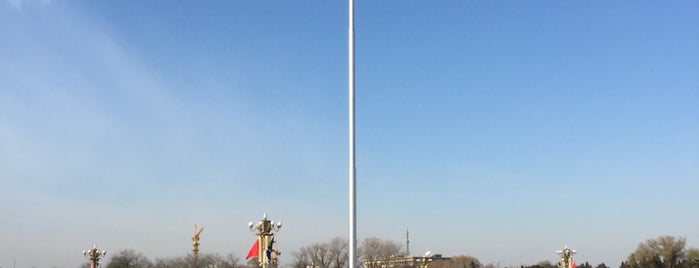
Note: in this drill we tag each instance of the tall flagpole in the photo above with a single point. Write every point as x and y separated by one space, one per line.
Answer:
352 169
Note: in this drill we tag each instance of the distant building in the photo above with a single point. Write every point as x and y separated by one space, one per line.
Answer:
404 261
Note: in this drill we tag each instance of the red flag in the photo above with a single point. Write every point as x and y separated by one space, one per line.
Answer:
573 265
253 250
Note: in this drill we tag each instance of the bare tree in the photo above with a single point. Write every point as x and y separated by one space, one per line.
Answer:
378 249
303 257
662 252
128 258
333 254
461 261
339 252
175 262
491 265
203 261
671 250
601 265
692 258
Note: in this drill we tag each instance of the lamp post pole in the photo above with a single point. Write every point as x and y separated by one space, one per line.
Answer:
94 256
265 229
195 244
566 256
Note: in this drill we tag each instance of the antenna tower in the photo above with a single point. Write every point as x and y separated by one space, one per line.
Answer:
407 241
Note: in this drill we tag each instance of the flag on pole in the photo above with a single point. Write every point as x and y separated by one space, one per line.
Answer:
253 250
270 249
573 265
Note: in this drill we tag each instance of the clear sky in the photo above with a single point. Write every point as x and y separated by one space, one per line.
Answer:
498 129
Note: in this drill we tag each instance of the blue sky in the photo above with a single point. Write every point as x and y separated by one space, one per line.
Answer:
498 129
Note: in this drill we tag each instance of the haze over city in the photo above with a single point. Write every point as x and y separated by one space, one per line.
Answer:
503 130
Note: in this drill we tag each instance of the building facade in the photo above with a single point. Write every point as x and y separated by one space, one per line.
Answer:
404 262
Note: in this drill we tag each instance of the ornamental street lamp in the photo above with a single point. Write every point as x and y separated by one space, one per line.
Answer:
94 256
195 242
265 229
566 257
425 260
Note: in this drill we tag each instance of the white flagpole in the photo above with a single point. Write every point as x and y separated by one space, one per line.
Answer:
352 169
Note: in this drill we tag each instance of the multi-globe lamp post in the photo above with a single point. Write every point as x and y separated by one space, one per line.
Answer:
424 261
94 256
567 257
265 229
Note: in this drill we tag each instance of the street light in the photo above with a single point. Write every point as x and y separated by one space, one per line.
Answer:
94 255
566 256
423 261
195 243
265 229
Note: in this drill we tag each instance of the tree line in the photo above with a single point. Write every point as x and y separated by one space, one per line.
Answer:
661 252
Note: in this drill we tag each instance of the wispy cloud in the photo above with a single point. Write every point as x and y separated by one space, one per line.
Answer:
67 80
20 4
77 111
